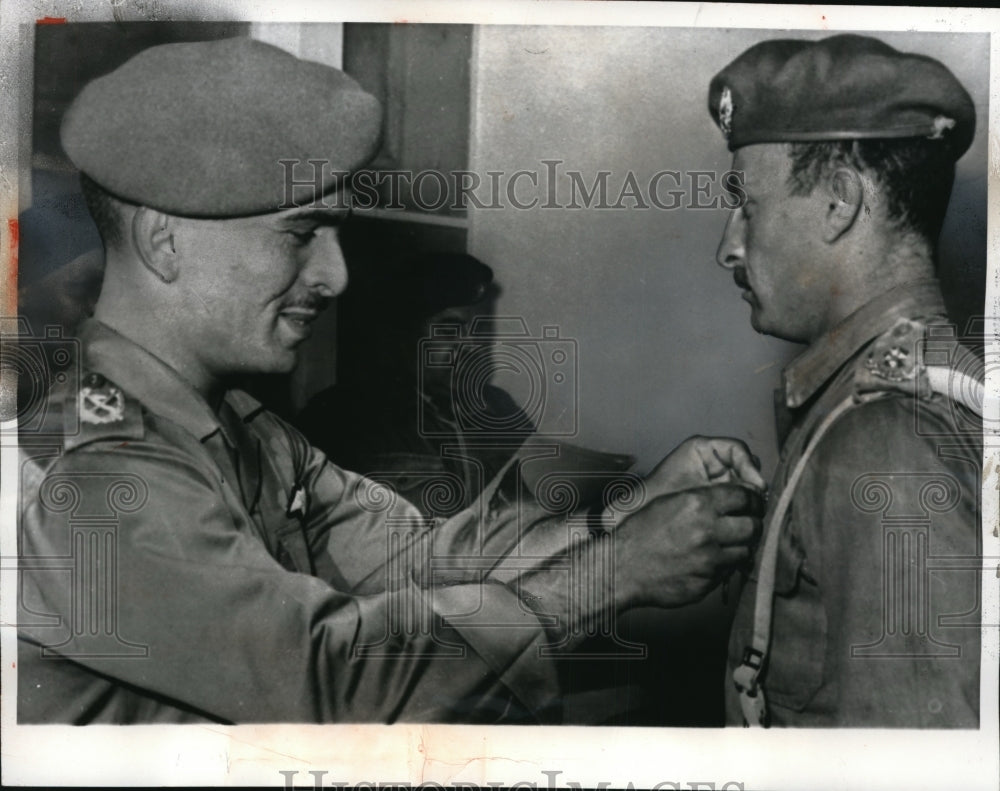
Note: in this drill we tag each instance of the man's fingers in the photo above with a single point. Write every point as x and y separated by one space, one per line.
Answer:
735 455
733 556
747 466
735 530
731 498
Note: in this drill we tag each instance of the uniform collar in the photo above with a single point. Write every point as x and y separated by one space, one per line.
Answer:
155 384
804 376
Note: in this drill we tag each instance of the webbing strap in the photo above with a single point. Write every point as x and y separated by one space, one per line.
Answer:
747 675
958 386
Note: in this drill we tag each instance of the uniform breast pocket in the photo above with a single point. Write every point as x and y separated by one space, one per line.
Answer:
798 634
291 549
279 512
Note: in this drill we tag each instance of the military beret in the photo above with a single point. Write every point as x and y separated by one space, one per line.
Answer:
845 87
199 129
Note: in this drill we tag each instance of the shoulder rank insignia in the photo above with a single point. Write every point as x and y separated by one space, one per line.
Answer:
100 410
898 360
893 356
100 401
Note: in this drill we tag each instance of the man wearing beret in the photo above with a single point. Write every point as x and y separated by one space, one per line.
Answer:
390 412
862 608
187 556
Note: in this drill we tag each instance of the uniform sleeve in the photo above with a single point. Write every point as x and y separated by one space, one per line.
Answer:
228 631
888 519
474 562
374 536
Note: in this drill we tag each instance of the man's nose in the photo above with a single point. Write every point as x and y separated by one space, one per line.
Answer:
731 249
326 271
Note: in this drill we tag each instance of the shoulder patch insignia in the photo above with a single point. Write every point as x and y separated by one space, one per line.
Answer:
893 356
898 360
100 401
103 411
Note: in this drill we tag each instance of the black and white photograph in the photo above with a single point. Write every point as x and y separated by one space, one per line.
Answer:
534 394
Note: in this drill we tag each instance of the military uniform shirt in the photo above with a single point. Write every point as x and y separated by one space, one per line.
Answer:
179 565
875 615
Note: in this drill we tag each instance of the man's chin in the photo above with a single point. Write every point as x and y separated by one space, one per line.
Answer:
764 327
281 361
760 323
288 363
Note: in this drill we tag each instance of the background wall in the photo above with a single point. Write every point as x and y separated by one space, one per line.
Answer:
665 344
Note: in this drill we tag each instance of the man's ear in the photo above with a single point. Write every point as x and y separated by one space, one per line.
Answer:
847 196
153 239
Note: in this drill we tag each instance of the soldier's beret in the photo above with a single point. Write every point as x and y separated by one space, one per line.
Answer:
200 129
845 87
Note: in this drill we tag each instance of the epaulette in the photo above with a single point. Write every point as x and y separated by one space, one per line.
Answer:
921 360
100 410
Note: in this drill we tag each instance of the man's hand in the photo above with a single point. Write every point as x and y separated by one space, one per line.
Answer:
678 547
702 461
672 551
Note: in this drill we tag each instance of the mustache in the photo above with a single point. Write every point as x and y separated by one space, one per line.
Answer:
315 302
740 277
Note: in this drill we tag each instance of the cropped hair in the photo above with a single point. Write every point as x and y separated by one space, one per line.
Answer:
106 211
915 176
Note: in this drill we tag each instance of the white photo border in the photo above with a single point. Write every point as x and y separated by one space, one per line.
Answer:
446 755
